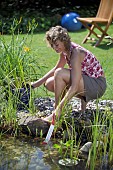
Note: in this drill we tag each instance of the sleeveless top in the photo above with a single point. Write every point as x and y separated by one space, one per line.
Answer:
90 65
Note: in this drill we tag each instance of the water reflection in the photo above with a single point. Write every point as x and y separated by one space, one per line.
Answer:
29 154
21 155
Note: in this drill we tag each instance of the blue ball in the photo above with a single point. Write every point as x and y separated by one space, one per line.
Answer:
70 22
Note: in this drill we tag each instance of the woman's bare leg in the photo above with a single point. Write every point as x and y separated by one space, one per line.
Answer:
83 103
61 81
58 84
49 84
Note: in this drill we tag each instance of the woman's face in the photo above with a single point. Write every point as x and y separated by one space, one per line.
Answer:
58 46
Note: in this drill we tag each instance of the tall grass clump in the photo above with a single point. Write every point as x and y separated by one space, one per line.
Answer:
67 146
109 137
101 152
102 140
16 67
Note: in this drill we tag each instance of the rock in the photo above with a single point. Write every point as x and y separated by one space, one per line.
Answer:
68 162
33 125
86 147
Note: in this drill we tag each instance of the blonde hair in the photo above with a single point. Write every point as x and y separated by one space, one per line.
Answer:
58 33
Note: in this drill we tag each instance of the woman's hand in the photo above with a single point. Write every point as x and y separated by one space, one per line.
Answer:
36 83
57 112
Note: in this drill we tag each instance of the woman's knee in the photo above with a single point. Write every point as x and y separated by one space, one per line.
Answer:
49 84
58 73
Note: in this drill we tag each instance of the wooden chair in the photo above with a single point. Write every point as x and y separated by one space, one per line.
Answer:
104 17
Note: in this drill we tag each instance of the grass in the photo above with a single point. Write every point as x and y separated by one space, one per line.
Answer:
46 58
28 57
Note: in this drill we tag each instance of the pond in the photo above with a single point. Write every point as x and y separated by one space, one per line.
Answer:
29 154
26 153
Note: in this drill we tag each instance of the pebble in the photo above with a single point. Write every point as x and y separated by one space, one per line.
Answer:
45 105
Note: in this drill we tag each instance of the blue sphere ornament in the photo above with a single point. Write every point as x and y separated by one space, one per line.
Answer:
70 22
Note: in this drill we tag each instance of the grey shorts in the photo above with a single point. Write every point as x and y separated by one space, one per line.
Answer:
94 87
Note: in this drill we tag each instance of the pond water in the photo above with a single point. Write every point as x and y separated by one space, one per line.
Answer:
29 154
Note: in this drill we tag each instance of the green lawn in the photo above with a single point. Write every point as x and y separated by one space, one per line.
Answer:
45 58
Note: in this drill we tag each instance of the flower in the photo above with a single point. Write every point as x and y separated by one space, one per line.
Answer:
26 49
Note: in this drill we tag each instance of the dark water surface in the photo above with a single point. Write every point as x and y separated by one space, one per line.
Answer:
29 154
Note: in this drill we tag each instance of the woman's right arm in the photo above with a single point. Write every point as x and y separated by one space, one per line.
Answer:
60 64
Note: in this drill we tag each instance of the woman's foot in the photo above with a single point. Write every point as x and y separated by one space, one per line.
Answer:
48 118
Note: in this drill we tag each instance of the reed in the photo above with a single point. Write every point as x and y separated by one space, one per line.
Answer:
15 70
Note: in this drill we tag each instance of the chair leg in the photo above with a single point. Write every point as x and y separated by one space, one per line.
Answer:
104 33
99 41
91 31
86 38
88 35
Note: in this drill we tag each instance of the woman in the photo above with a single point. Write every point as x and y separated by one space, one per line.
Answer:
84 78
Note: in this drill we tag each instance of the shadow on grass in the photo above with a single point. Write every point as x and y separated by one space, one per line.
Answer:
106 45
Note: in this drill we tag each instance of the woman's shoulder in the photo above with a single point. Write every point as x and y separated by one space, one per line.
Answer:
74 45
81 49
77 46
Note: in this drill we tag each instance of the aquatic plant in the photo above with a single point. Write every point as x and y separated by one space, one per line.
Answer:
16 67
102 140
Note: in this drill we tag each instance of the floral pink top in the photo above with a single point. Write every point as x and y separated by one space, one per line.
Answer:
90 65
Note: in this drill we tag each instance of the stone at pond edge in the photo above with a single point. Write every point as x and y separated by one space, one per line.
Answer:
33 126
86 147
67 162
